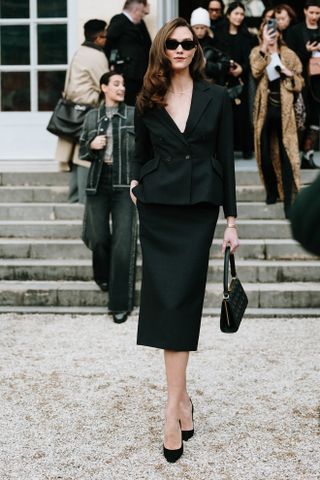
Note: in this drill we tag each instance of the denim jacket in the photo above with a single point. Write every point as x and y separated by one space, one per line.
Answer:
96 123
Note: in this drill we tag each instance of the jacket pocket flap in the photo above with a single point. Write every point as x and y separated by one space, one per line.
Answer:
218 167
149 167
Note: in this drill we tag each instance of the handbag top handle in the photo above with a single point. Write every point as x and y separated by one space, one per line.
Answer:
228 258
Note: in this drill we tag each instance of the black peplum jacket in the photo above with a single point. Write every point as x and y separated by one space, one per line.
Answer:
175 168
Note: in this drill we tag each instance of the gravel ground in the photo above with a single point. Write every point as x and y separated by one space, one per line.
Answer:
79 400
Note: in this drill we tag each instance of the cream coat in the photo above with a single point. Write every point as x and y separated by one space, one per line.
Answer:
289 129
82 86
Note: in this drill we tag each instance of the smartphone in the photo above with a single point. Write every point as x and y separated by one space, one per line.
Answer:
272 26
315 37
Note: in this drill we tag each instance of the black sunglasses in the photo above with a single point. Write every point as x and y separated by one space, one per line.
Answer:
172 44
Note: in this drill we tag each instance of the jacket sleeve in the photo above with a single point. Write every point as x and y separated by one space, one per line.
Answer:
258 62
116 28
142 146
87 135
295 83
225 157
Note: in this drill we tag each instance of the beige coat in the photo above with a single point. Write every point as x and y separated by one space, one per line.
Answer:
82 86
289 129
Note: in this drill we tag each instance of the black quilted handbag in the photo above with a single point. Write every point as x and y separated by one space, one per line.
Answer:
235 300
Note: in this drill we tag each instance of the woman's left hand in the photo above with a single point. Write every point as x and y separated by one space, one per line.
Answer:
230 237
286 71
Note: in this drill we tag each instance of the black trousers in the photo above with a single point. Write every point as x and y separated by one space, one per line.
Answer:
272 125
113 251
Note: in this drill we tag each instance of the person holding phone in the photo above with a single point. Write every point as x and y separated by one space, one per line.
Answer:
277 70
304 39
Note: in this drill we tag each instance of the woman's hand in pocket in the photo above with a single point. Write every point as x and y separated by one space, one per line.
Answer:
133 184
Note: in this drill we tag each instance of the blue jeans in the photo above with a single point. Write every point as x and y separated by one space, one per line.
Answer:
113 250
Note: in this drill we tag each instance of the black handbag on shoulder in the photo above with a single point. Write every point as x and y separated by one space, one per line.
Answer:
67 119
235 300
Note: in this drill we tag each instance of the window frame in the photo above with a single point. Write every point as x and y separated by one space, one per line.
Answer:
33 21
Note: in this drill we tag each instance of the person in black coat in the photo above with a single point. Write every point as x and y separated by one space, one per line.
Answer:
286 17
234 39
217 62
128 45
215 10
182 172
304 39
305 215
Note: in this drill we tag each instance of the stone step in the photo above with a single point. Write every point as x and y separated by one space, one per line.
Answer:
214 313
269 249
41 194
258 229
55 194
262 271
63 293
51 194
41 211
244 176
67 211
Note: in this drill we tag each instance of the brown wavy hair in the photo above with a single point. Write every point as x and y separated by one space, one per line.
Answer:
158 75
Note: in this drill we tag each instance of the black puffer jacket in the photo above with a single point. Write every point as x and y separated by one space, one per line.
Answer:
96 123
217 62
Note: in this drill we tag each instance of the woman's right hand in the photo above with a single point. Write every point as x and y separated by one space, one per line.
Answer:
133 184
98 143
267 38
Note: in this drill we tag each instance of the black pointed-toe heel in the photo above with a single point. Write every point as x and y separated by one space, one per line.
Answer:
173 455
186 434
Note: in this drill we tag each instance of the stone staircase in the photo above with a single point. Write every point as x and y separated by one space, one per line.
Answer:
44 266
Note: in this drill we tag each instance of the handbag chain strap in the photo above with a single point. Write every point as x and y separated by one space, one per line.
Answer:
228 258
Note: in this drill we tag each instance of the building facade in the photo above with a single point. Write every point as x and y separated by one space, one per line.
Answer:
37 41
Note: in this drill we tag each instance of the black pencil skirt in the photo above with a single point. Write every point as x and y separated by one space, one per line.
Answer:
175 243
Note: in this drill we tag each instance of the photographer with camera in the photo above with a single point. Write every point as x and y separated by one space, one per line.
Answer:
128 46
304 39
234 39
277 70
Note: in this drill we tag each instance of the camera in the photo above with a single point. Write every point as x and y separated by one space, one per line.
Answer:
232 64
115 58
315 37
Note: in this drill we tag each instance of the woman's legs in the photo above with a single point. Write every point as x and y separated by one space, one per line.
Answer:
178 401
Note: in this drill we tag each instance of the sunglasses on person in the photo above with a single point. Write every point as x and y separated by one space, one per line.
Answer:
215 10
172 44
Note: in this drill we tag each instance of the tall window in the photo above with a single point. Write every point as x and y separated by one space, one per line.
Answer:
33 54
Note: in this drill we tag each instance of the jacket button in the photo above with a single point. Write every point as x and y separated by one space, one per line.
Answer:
188 157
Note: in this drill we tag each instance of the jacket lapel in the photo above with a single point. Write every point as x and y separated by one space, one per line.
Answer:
199 102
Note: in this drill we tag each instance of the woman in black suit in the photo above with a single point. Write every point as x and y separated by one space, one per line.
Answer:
183 170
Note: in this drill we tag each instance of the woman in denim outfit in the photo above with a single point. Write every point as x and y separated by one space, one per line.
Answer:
107 141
